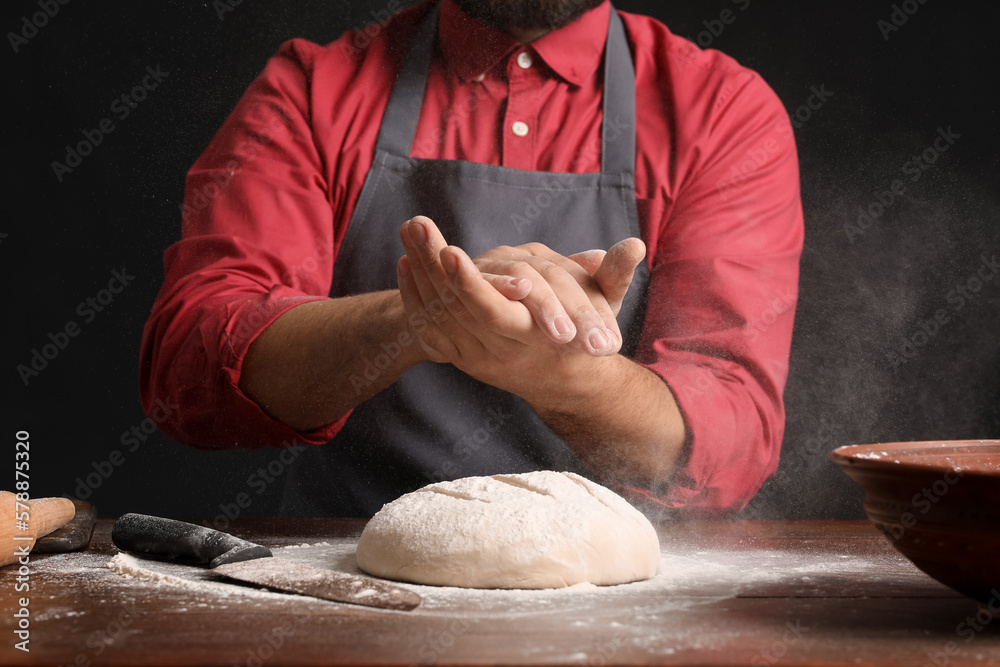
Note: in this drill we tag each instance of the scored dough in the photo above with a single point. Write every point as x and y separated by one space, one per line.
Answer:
532 530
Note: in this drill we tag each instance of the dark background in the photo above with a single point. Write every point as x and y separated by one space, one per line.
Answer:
859 299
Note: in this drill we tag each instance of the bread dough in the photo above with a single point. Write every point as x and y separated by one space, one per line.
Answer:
533 530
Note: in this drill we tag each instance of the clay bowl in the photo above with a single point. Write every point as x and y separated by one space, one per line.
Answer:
938 502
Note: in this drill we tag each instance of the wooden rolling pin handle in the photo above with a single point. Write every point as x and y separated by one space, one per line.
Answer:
49 514
44 516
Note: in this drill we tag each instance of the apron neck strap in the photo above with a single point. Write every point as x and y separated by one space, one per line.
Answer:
399 124
618 147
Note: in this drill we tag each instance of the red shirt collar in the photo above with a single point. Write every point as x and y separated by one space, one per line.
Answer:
573 52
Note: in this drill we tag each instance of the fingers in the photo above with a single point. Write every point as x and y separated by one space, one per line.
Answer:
563 308
589 260
432 340
428 298
514 289
429 271
615 273
486 305
547 309
423 243
580 266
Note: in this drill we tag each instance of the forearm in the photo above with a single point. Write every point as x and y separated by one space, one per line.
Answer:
620 418
319 360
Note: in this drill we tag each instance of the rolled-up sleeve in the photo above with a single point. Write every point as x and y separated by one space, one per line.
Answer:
257 240
722 297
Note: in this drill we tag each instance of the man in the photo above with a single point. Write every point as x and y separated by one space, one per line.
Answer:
527 134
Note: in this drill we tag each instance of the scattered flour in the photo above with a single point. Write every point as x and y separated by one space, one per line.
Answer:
306 545
687 578
194 579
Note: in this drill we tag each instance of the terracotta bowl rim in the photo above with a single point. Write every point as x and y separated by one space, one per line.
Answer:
853 456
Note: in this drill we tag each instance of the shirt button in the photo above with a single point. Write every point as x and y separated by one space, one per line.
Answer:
519 128
524 60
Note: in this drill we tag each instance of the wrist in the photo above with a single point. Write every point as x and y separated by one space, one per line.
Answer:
400 340
578 386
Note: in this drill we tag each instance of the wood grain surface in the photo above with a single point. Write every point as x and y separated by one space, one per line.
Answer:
752 593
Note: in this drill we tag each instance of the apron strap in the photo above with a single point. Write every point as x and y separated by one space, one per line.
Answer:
618 151
399 124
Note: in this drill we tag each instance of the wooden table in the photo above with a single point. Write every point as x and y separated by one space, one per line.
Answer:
738 593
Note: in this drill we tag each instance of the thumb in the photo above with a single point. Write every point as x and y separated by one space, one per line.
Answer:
615 273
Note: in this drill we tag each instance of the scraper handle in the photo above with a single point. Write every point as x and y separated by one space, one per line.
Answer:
181 541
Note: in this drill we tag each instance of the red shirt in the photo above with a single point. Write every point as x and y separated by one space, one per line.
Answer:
717 185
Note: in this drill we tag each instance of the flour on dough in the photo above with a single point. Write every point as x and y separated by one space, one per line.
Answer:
532 530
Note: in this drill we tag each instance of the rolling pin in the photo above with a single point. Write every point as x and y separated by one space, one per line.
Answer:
44 516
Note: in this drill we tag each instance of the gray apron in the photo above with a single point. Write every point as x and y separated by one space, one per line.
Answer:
435 422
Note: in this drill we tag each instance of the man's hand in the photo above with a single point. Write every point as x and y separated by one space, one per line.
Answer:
613 269
565 300
458 316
